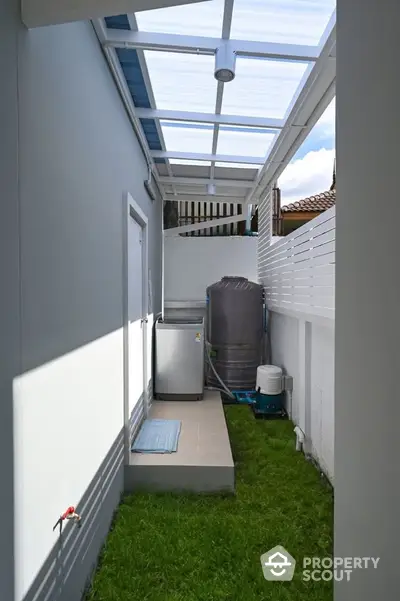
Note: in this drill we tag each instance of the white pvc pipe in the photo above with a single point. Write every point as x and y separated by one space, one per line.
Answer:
300 437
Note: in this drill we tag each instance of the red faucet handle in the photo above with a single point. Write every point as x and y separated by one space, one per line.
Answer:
69 512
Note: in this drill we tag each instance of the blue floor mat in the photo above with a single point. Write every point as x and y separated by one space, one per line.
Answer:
158 436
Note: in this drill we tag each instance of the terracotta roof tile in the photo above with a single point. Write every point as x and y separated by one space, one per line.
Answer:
319 202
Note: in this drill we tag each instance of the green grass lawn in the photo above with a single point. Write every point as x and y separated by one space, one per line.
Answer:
207 548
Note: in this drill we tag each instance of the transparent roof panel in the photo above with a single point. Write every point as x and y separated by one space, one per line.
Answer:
182 81
187 137
244 141
282 21
204 19
262 87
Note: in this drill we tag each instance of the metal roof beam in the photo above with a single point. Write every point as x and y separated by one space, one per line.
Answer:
200 181
144 40
227 19
199 156
226 32
315 96
184 197
192 117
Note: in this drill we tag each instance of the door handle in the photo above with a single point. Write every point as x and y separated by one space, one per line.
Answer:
144 320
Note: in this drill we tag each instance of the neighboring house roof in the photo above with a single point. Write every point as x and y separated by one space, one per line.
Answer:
318 203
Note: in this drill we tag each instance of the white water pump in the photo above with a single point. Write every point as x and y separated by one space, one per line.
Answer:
269 380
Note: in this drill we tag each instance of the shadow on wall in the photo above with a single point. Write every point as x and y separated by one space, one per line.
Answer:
66 574
171 215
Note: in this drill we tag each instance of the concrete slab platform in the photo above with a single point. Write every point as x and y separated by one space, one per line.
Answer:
203 461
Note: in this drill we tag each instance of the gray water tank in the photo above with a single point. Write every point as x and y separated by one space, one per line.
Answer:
235 331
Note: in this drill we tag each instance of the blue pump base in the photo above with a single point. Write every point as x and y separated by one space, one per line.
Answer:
263 405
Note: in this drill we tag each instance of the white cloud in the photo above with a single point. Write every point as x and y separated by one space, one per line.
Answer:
312 174
309 175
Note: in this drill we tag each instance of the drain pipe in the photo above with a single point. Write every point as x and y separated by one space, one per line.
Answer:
300 437
162 263
289 402
248 219
288 388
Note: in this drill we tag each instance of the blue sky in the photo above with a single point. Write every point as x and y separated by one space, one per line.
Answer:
322 136
261 88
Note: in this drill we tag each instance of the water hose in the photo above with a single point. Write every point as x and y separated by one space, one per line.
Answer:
215 388
207 347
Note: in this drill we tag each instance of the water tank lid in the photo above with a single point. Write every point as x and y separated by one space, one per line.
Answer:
270 370
234 277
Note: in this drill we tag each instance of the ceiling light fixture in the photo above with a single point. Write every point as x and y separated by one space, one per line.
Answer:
225 62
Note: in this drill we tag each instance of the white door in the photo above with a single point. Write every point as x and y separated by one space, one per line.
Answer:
136 325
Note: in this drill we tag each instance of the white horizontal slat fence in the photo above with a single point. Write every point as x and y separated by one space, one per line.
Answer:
298 272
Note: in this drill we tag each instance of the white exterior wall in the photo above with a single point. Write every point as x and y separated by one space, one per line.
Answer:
193 263
9 283
367 409
62 391
306 351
